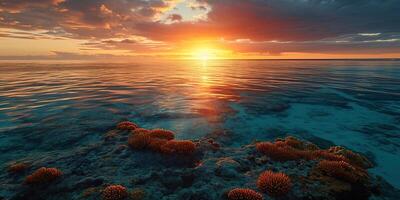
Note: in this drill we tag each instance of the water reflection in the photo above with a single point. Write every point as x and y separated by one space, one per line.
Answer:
60 107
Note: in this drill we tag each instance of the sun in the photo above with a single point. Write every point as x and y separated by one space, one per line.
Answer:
204 54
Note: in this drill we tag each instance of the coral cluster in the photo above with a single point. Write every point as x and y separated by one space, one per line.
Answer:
291 148
139 140
43 176
354 158
276 152
127 125
179 147
244 194
162 134
115 192
342 170
17 168
274 184
160 140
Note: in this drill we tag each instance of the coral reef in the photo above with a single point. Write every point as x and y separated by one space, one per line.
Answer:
202 169
244 194
274 184
43 176
17 168
127 125
353 158
162 134
179 147
115 192
342 170
140 131
277 152
291 148
156 144
139 140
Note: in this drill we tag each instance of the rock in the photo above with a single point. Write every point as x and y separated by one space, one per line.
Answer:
89 182
227 167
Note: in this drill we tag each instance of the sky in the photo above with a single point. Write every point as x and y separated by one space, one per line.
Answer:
198 29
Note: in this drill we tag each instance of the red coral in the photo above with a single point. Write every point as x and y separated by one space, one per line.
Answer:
162 134
115 192
43 176
127 125
156 144
277 152
17 167
141 130
353 158
244 194
329 156
294 142
274 184
139 141
179 147
342 170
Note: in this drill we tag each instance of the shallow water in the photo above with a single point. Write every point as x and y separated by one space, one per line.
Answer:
52 108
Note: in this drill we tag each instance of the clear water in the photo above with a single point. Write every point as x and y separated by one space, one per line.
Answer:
49 109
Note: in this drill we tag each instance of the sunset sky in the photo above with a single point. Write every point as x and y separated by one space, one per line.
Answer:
126 29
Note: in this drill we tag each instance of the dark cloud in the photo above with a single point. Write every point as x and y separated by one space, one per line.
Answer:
175 17
284 20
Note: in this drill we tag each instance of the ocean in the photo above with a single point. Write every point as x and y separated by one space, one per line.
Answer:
50 113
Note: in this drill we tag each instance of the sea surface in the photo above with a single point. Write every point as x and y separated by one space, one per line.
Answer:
51 109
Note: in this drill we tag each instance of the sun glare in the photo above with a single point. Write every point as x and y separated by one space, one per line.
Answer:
204 54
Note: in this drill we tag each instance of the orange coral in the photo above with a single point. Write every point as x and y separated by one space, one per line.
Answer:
294 142
156 144
244 194
43 176
127 125
115 192
162 134
274 184
353 158
17 167
179 147
329 156
139 141
342 170
141 130
280 153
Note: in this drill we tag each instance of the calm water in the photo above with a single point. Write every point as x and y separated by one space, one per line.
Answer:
52 108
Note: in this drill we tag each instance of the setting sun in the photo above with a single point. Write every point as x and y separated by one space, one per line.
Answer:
204 54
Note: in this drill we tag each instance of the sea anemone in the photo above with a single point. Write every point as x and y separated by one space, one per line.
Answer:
244 194
17 168
342 170
43 176
179 147
279 153
115 192
274 184
162 134
127 125
139 141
